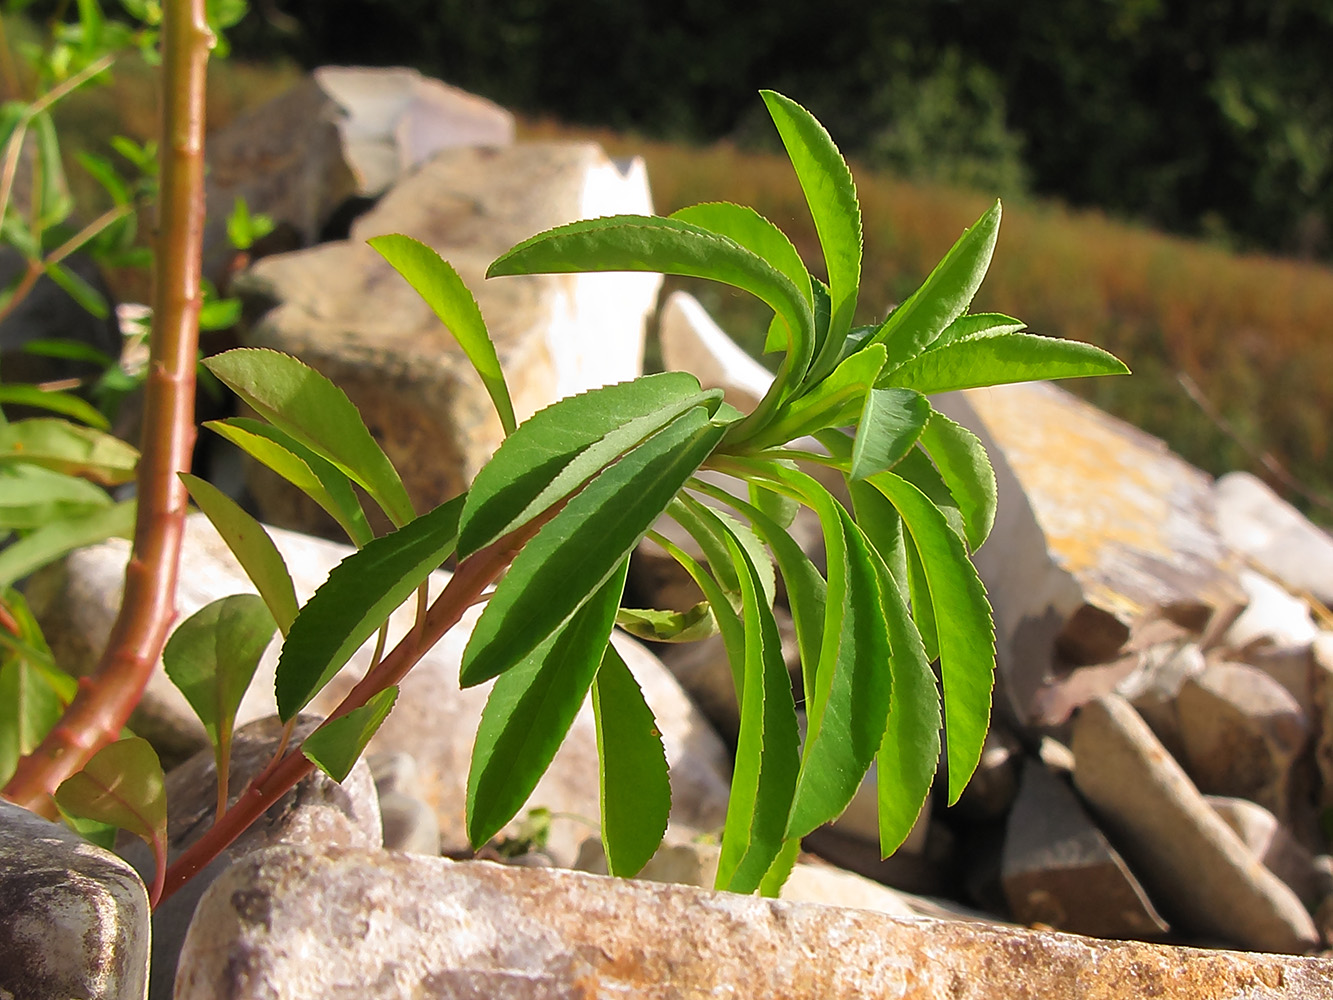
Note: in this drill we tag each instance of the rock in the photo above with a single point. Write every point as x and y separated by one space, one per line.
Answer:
1273 844
1272 616
1058 868
73 917
1154 687
1272 533
318 812
693 342
292 923
1200 874
1321 654
1098 525
395 773
928 871
432 720
409 824
994 784
1242 734
342 309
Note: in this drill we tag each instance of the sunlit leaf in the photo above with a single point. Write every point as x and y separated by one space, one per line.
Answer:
890 424
68 448
835 402
961 459
30 704
50 542
969 325
668 626
31 496
57 402
999 358
751 230
336 745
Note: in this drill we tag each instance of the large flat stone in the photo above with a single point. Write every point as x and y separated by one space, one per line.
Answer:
342 309
291 924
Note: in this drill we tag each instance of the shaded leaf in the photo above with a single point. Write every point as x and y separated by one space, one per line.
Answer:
358 596
32 496
50 542
890 424
443 290
999 358
68 448
336 746
78 289
835 402
635 787
962 462
653 625
710 528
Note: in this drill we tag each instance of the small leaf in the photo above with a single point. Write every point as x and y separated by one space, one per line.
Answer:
101 170
890 424
668 626
560 447
530 709
336 746
32 497
943 296
316 477
57 402
831 195
305 404
635 787
78 289
835 402
998 359
439 284
51 541
251 546
123 785
977 323
358 596
580 547
965 468
65 447
728 621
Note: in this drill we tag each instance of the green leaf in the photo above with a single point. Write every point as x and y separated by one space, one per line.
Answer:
767 755
252 547
710 528
917 468
977 323
65 447
123 785
776 876
439 284
668 626
53 203
32 497
923 609
30 703
101 170
581 546
49 542
239 226
78 289
336 745
962 462
358 596
212 656
305 404
57 402
313 475
845 735
943 296
1000 358
635 787
831 195
782 510
751 230
648 243
835 402
966 632
560 447
531 708
728 621
890 424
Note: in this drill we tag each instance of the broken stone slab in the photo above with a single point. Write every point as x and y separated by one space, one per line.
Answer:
291 923
1273 844
433 720
1058 869
1274 535
73 917
1271 617
342 309
1200 874
1099 525
1242 734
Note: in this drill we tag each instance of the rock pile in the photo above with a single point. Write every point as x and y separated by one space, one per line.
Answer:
1158 770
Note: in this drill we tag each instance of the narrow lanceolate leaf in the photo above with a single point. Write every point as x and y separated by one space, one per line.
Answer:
711 528
767 755
635 787
831 195
907 758
890 424
778 873
336 746
358 596
962 462
32 695
443 290
212 656
65 447
966 632
57 402
943 296
559 448
969 325
752 231
45 544
315 476
31 496
1000 358
251 546
530 709
123 785
842 742
580 547
835 402
923 607
305 404
917 468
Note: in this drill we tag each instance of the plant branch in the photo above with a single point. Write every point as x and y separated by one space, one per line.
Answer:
105 700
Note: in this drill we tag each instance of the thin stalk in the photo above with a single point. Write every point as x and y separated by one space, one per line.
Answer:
104 701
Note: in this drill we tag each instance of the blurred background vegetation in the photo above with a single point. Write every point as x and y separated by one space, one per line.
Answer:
1166 165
